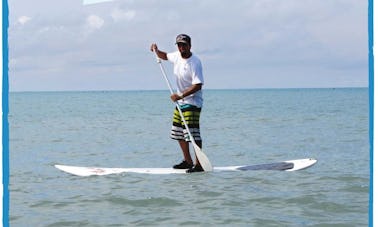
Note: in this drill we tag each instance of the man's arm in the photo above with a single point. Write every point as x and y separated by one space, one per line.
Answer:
191 90
160 54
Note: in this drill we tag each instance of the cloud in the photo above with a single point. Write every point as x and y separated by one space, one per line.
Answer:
123 15
254 41
95 21
23 20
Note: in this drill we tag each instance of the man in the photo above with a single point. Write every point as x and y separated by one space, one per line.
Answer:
188 71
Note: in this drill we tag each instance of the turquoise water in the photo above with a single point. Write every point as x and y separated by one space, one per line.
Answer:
131 129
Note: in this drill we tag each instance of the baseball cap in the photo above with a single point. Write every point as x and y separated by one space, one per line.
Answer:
182 38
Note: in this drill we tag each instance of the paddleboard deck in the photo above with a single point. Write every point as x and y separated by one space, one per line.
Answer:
291 165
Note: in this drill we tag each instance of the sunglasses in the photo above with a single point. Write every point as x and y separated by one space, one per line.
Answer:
182 44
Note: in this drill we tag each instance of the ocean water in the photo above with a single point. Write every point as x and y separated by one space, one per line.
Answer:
131 129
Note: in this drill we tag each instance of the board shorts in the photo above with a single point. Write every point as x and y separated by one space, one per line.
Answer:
192 117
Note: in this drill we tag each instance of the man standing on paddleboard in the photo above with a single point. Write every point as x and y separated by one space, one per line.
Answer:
189 78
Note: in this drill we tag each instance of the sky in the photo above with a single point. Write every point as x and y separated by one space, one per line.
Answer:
65 45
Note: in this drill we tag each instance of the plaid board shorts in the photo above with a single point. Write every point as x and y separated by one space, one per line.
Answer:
192 117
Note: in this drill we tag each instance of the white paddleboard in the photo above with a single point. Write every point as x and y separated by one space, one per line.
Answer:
291 165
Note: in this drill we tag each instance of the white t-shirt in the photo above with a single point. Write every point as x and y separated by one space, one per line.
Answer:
188 72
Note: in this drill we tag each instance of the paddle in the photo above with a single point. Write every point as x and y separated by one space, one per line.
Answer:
202 158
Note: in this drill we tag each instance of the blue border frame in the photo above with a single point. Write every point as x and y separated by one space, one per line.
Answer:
371 104
5 107
5 110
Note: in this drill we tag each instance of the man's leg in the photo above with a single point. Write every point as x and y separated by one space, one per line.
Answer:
186 152
199 143
197 167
